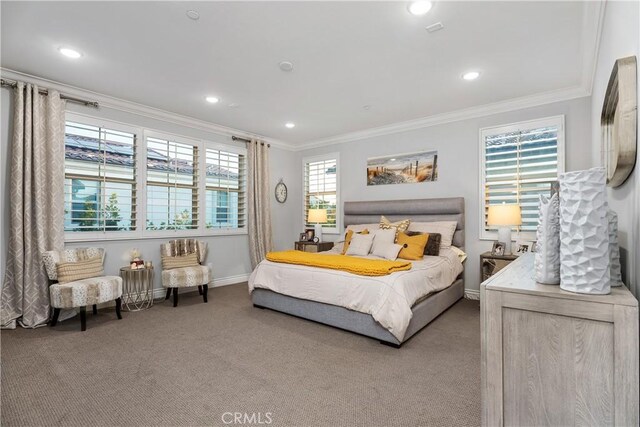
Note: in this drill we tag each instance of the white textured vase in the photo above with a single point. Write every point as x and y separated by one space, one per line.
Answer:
548 241
584 232
614 249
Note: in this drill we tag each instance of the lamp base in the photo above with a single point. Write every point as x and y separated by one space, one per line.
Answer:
318 231
504 235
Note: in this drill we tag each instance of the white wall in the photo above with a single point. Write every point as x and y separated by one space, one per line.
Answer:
229 255
620 38
458 164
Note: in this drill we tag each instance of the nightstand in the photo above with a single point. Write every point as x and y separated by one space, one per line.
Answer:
312 246
491 264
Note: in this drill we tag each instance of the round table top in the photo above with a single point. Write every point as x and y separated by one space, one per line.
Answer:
135 269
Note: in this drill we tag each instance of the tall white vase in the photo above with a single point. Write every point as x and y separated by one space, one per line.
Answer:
584 232
614 249
548 241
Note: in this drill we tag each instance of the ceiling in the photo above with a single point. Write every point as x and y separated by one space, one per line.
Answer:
346 55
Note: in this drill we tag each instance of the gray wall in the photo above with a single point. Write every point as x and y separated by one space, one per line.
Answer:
458 164
229 255
620 38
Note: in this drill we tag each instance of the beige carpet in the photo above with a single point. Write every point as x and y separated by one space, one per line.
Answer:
192 364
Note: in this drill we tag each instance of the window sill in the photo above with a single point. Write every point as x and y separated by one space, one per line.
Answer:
151 235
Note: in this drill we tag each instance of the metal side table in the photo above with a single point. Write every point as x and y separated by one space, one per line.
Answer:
137 288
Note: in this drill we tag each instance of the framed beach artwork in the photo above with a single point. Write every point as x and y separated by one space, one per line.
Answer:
403 168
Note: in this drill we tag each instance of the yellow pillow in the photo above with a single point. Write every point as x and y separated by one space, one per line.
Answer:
412 246
171 262
347 239
400 226
86 269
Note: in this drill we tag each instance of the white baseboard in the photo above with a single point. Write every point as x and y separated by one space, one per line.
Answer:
472 294
224 281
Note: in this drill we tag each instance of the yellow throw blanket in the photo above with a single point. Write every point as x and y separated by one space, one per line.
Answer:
350 264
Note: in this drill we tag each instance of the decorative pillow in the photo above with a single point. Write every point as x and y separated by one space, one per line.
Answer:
412 246
171 262
445 228
360 245
399 226
383 237
547 261
433 242
347 239
361 227
387 251
72 271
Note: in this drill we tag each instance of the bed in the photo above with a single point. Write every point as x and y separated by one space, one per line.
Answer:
287 279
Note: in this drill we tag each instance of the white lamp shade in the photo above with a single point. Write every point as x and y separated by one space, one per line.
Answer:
317 216
504 215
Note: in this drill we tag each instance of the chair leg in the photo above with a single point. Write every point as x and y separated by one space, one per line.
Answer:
168 293
205 289
200 289
83 318
118 306
175 297
56 313
95 309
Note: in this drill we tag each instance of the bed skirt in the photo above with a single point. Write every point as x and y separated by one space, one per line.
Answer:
364 324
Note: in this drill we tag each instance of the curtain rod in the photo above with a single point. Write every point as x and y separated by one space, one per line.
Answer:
13 84
237 138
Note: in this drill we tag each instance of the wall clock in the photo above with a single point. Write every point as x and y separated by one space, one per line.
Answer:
618 122
281 192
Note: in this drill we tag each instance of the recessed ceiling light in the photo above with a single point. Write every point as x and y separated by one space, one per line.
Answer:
290 125
419 8
286 66
393 160
471 75
212 99
193 14
366 107
69 53
434 27
234 105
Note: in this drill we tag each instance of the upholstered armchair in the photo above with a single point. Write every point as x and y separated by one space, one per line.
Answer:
182 267
77 280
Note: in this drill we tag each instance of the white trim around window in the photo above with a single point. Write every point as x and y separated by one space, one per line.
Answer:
141 170
556 122
338 212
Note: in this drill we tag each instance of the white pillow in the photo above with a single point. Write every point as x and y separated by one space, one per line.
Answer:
388 251
360 244
360 227
383 237
445 228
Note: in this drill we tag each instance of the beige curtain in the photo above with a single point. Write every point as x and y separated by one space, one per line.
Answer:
260 241
36 208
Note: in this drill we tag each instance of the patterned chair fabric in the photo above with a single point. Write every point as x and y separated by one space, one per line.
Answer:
80 293
186 276
85 292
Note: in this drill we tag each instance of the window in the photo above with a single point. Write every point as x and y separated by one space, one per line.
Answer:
518 163
225 189
172 184
100 178
321 189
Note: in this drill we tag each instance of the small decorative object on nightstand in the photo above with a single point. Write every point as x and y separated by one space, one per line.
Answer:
491 264
137 285
313 246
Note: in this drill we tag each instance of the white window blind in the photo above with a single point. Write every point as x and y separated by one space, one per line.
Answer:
520 162
321 189
225 189
100 179
172 185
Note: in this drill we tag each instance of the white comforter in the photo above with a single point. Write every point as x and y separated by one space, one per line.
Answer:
387 298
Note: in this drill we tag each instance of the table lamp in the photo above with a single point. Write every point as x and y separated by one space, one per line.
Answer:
504 216
317 216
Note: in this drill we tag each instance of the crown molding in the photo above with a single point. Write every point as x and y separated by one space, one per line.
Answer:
111 102
454 116
592 23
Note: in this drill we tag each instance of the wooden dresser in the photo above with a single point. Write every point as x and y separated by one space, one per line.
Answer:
551 357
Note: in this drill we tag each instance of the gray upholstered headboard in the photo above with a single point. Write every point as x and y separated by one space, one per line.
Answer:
419 210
